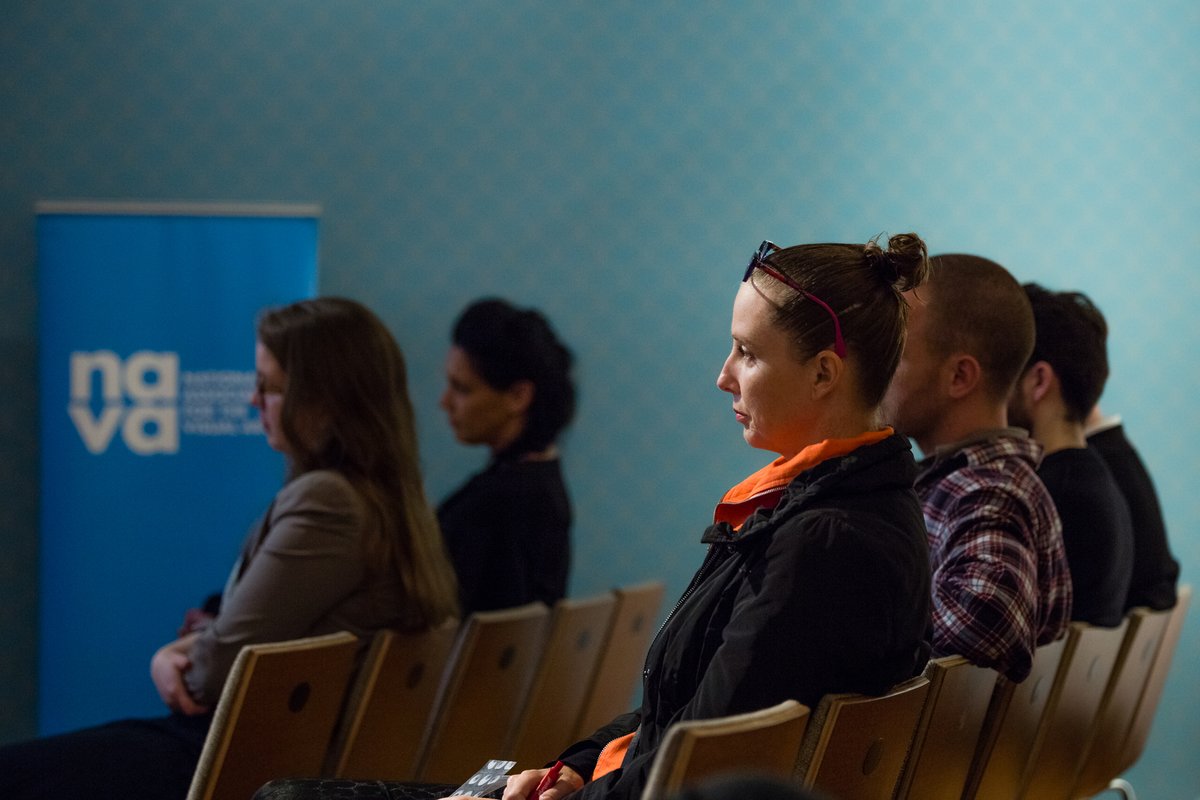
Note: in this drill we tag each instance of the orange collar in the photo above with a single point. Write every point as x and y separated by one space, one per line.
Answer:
764 489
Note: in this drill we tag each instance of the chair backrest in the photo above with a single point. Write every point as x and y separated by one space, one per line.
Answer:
391 704
275 716
855 745
763 742
483 691
560 685
1131 671
948 730
1071 710
1139 730
622 657
1010 727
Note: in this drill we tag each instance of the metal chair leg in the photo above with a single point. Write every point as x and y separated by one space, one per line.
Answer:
1124 787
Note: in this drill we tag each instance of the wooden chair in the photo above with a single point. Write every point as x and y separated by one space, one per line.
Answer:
275 716
1131 672
1071 709
1010 727
483 692
948 730
764 742
622 657
855 745
559 688
1139 730
391 704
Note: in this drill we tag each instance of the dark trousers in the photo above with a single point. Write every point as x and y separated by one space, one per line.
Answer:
130 759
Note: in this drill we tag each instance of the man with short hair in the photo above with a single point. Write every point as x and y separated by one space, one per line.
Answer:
1000 581
1062 381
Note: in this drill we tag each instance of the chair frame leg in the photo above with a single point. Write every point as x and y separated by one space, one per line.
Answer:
1122 786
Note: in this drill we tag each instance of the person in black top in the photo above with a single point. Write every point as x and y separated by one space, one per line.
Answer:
816 575
1062 381
509 387
1155 570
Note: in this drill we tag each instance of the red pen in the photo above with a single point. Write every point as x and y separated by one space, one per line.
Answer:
548 780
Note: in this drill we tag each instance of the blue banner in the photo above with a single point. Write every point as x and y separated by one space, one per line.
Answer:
154 465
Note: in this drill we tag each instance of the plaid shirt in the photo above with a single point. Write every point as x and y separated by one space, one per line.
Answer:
1001 585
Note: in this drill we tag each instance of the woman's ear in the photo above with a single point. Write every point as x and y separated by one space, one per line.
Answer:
828 370
520 396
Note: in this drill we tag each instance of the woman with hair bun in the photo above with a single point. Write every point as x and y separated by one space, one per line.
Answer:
509 388
816 576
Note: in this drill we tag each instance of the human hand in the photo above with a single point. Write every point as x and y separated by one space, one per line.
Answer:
194 620
521 785
166 670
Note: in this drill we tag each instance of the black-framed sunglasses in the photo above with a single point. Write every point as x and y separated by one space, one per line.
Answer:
759 261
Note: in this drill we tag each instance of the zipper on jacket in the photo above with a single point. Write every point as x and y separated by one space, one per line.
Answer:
708 559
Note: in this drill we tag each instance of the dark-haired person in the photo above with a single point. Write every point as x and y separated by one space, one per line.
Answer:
1063 379
1155 570
1001 585
509 388
815 576
348 543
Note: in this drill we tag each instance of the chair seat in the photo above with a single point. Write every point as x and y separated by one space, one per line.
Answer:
391 705
763 742
1131 673
948 730
484 691
622 656
276 715
1071 711
547 724
856 745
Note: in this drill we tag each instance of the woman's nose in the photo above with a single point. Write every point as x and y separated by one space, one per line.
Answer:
725 381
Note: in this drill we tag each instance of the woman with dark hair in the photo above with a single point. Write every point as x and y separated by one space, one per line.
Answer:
349 543
816 577
508 387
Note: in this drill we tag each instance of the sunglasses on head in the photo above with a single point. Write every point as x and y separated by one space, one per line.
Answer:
759 261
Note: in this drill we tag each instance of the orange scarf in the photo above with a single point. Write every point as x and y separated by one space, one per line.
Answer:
764 489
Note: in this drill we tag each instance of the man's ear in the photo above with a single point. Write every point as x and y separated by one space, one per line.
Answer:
963 374
1041 379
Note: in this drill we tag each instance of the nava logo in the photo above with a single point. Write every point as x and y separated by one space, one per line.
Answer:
139 396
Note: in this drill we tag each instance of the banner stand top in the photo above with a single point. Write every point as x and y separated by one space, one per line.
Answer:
150 208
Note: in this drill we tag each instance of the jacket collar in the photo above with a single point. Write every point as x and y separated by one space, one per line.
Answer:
764 489
883 464
982 448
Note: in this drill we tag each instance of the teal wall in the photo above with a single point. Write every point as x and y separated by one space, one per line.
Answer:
615 164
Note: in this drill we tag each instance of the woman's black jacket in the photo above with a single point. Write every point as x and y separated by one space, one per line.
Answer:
827 592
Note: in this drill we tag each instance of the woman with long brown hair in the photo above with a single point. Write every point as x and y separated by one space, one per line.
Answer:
348 543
